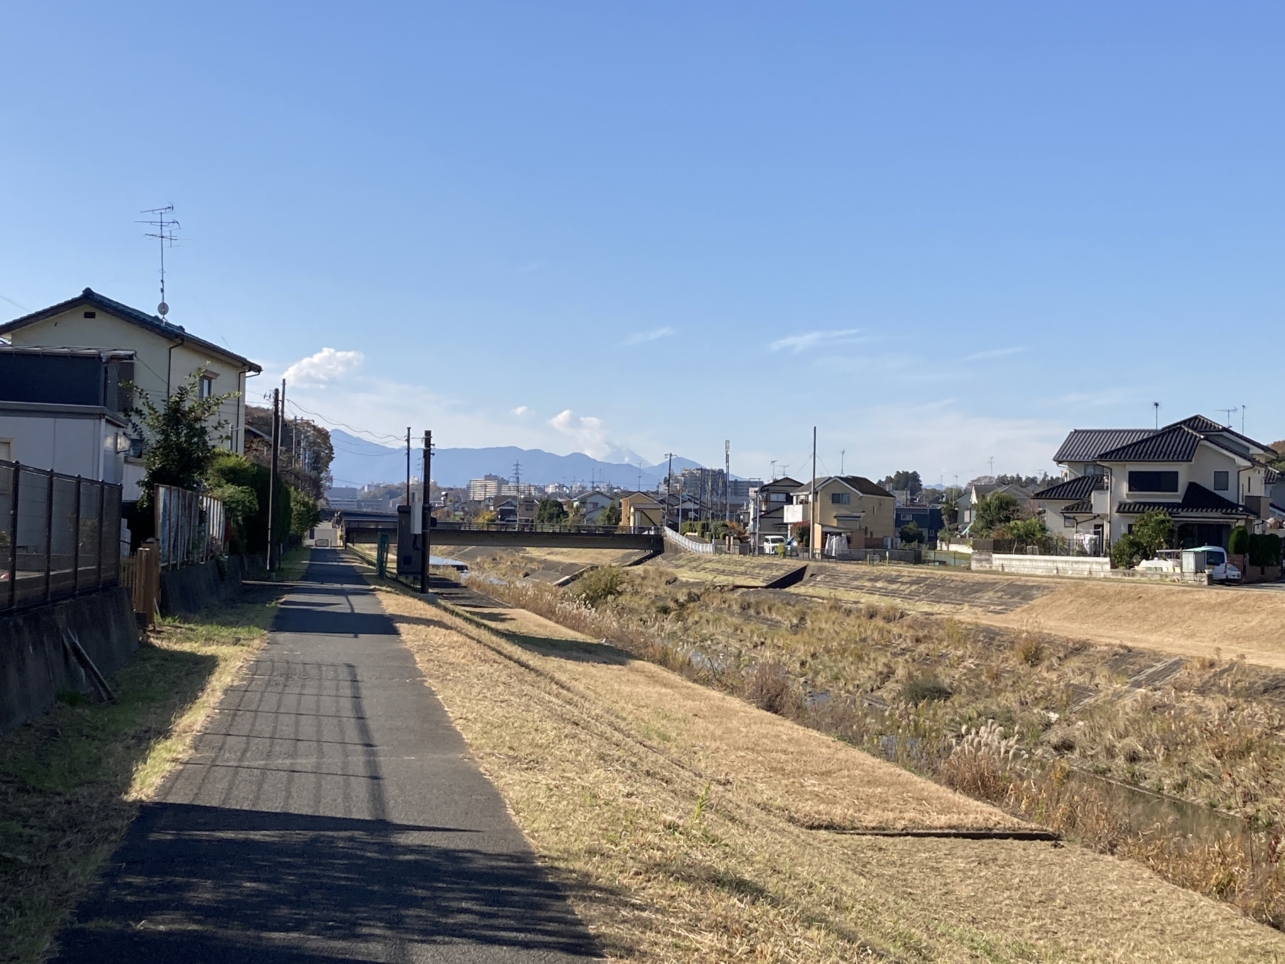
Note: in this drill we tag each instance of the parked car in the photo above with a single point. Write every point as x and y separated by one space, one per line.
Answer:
770 544
1216 564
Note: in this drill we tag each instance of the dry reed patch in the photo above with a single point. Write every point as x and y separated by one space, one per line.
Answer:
696 870
811 779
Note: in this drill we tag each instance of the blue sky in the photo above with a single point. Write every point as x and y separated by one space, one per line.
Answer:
940 232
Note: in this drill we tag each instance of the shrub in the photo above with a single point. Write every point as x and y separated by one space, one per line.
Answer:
1128 551
993 512
1238 543
770 688
1029 649
1028 532
599 585
924 689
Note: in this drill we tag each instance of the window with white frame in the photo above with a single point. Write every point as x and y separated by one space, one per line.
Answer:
840 498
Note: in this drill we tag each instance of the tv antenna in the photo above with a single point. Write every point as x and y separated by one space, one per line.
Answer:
1229 412
164 232
1156 406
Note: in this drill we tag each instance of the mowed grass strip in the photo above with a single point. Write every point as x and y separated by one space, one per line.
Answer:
641 789
72 780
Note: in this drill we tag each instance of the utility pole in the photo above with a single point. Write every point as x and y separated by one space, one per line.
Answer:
408 473
272 475
1156 406
842 453
727 480
812 499
669 487
426 540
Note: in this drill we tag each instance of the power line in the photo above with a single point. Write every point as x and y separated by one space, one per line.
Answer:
359 431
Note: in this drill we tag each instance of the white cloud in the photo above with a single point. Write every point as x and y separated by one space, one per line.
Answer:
941 439
520 410
590 433
993 353
325 366
653 335
815 339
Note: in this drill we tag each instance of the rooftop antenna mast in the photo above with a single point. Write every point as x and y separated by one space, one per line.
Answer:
1156 406
1229 412
164 232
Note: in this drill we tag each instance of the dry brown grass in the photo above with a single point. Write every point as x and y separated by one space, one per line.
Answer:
1200 621
71 780
682 807
1204 733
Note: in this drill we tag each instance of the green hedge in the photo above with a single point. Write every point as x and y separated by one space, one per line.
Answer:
1265 550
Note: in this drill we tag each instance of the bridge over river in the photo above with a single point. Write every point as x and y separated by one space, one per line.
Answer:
364 527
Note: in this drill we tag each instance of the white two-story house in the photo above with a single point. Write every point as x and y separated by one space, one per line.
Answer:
1206 476
165 354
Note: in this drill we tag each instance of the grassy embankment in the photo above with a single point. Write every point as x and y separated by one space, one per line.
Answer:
922 690
72 780
688 825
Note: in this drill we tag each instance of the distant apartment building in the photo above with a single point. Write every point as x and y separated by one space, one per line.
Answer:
485 488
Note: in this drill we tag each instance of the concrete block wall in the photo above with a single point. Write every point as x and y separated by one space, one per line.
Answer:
35 665
192 588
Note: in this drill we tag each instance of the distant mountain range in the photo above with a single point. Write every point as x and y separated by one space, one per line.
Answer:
360 462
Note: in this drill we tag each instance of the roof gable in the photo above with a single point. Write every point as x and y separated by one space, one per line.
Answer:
1177 444
1087 444
857 483
1073 489
152 323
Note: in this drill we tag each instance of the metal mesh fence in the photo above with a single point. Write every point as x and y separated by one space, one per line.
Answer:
59 535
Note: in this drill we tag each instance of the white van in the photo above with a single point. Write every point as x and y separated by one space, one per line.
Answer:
1210 559
770 544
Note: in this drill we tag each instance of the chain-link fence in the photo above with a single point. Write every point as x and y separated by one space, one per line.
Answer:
59 535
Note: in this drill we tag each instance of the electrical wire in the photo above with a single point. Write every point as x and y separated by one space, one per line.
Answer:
291 403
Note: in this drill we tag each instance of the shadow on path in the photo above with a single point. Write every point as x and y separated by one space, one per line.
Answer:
198 884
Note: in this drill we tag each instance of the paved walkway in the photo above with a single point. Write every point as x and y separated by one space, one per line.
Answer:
328 812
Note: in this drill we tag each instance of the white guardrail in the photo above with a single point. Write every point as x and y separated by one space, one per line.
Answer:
685 544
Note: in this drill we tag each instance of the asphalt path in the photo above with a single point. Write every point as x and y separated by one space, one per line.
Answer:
329 812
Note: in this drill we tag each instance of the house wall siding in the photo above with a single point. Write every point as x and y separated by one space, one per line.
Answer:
67 444
152 367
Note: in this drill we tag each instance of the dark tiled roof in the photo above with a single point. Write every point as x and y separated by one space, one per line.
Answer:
1197 500
1074 489
1207 426
1200 423
1086 444
858 482
1177 444
1079 508
152 323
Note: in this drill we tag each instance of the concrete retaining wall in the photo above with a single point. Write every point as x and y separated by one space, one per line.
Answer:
34 663
193 588
1084 566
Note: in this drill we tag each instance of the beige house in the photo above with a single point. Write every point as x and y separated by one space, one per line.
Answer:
849 506
638 510
165 354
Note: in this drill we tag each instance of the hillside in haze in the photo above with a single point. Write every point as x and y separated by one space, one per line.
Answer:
359 462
